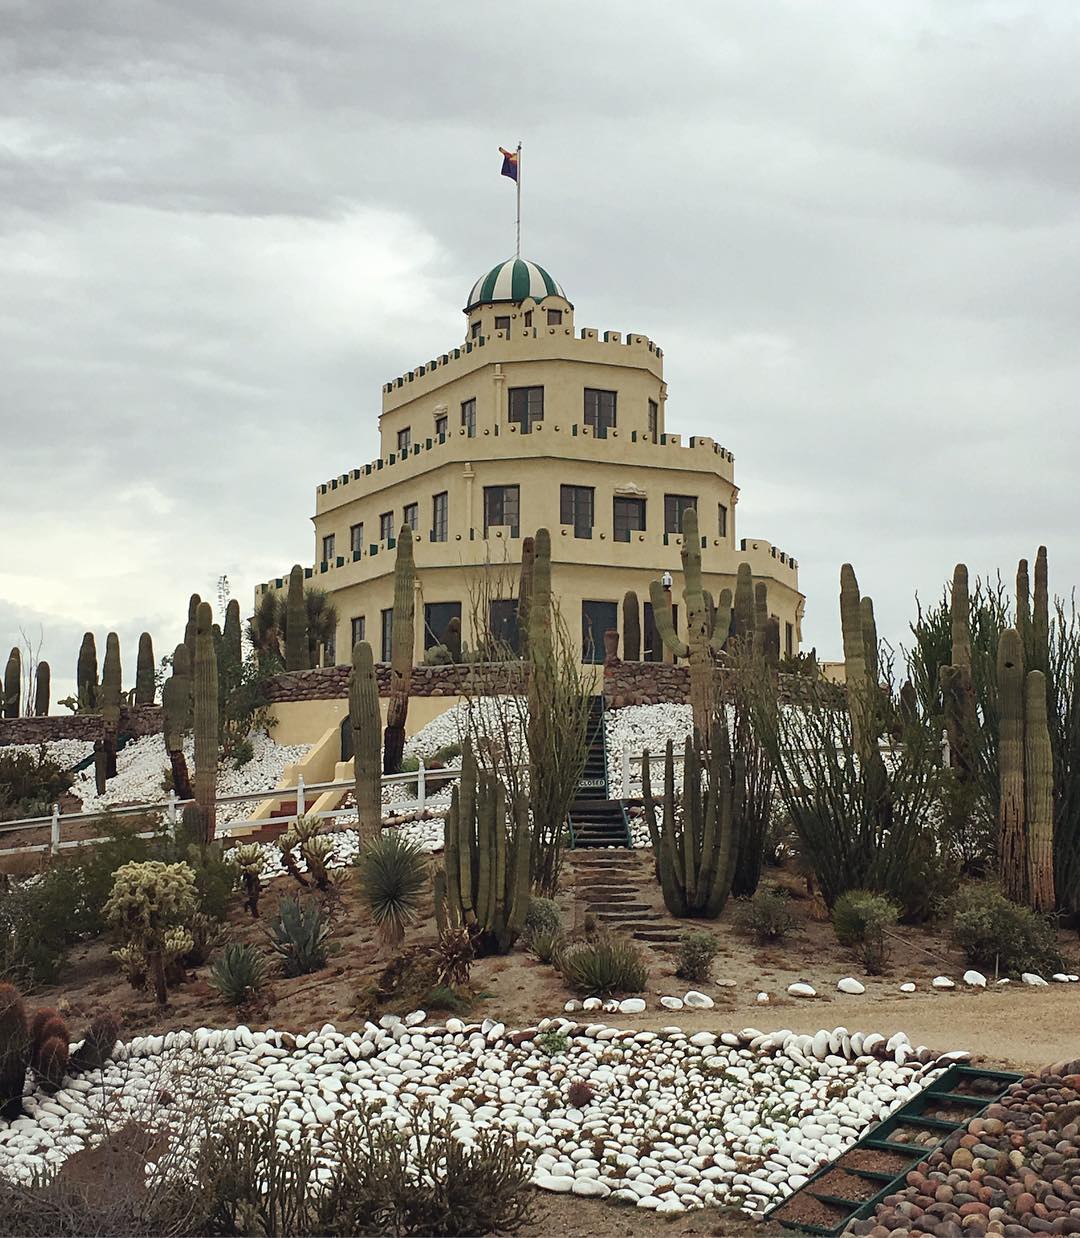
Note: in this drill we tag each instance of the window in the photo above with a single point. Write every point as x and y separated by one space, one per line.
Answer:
599 410
404 441
442 426
554 318
474 330
359 629
576 508
437 616
356 540
528 318
526 407
653 646
387 648
328 548
502 323
654 419
596 619
410 515
468 417
628 517
439 514
674 507
502 506
386 527
789 639
721 521
503 623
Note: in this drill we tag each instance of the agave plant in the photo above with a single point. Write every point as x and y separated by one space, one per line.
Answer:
239 973
393 877
300 936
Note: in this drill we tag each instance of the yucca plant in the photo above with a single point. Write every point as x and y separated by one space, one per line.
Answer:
238 973
393 877
300 936
605 964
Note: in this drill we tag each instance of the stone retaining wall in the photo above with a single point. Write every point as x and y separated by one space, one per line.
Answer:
332 682
645 683
135 720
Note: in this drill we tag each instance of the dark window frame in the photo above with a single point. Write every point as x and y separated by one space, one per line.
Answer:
507 504
442 425
404 441
721 519
675 508
410 515
329 547
468 415
529 410
356 537
502 323
474 330
599 416
503 624
386 526
554 318
358 629
623 530
577 507
386 635
440 516
654 420
592 641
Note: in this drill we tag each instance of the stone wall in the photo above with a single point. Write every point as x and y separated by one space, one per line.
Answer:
645 683
332 682
135 720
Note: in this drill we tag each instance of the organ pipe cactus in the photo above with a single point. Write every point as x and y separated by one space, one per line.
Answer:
205 721
12 683
631 622
707 627
486 861
111 674
42 681
365 721
401 652
297 655
144 671
695 841
86 675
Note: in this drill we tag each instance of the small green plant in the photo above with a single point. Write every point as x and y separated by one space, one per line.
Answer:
861 920
697 949
543 917
999 935
606 964
552 1042
545 944
30 784
445 754
393 878
765 916
239 973
443 997
300 936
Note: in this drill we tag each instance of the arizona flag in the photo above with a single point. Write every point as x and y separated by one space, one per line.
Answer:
510 163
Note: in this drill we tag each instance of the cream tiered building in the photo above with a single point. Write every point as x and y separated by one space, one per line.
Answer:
531 422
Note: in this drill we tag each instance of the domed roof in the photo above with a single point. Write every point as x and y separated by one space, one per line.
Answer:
513 280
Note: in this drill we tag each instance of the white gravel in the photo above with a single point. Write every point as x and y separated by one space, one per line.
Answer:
65 752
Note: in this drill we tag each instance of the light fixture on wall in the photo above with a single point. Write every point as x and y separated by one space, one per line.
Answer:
665 580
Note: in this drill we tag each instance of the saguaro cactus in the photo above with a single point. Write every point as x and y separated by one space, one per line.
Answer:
956 682
12 683
695 846
1012 846
707 627
42 686
297 657
190 626
525 589
366 731
205 720
486 859
1039 655
1038 793
111 676
401 652
86 675
631 626
144 671
176 708
232 643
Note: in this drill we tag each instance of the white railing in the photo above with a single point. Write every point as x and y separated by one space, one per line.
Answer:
172 808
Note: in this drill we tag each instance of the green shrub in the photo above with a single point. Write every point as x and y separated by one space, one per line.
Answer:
409 765
765 916
861 920
604 965
30 783
1001 936
300 936
446 754
393 879
545 944
543 916
697 949
443 997
553 1042
239 973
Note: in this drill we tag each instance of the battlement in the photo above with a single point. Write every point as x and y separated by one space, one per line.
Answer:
756 548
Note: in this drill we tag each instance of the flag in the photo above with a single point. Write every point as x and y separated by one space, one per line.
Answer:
510 163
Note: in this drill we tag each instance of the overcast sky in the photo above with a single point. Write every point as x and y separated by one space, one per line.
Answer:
852 227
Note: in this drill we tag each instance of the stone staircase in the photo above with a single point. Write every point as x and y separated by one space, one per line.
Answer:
596 820
617 887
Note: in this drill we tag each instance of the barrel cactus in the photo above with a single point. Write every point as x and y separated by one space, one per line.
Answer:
49 1048
401 652
365 722
205 721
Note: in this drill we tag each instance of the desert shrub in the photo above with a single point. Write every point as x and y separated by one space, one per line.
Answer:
543 916
697 949
446 754
861 920
579 1094
393 878
409 765
238 973
766 916
443 997
999 935
604 965
300 936
553 1042
30 783
36 929
545 944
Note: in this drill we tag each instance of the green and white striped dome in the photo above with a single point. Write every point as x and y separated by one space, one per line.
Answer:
513 280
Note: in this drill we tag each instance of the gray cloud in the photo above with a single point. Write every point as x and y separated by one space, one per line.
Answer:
852 228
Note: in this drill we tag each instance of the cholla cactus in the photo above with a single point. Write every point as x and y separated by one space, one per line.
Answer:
250 860
132 959
148 899
318 851
286 842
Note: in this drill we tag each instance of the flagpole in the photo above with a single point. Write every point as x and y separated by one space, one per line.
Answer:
517 252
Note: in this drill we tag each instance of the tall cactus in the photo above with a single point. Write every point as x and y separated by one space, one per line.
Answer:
297 656
1039 654
86 675
525 589
13 683
42 687
401 652
697 844
707 628
205 720
1038 794
111 683
176 710
486 860
365 722
144 671
14 1051
1012 849
1023 603
452 639
742 619
232 643
190 627
631 624
856 677
957 683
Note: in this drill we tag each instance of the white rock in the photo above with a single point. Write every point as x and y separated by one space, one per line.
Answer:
672 1003
561 1184
415 1018
632 1005
800 989
975 979
1061 977
762 998
592 1003
1032 978
908 986
943 982
572 1005
850 985
698 1001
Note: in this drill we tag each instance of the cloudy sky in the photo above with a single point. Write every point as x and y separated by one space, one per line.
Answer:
852 226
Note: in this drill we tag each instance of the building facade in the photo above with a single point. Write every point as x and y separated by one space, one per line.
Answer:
531 422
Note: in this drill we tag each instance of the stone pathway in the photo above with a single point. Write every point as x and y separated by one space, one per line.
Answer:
619 890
